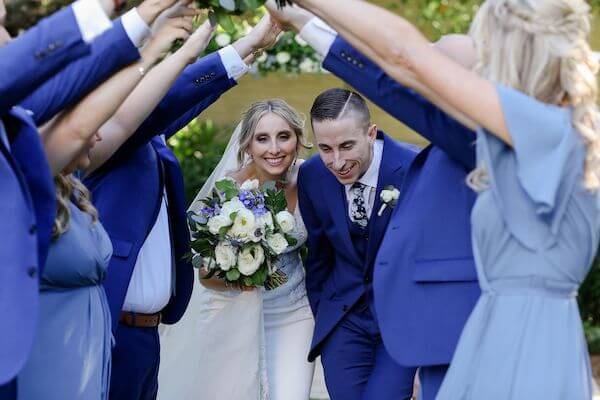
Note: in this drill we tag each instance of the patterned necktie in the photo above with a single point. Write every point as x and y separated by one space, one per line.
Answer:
358 210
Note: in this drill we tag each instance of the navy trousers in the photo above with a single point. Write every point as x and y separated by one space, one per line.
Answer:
135 360
356 364
431 379
8 391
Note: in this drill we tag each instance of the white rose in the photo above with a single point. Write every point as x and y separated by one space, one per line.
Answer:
266 220
300 41
217 222
225 255
307 66
223 39
283 57
232 206
277 243
250 184
395 194
243 225
286 221
250 259
386 196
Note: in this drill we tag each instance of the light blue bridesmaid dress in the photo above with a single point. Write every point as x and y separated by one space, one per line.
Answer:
535 233
70 358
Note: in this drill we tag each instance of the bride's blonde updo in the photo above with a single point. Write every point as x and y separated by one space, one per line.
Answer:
541 48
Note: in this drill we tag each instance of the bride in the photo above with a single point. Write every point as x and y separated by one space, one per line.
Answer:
246 343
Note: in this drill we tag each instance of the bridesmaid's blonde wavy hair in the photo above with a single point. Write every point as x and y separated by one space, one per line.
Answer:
68 187
541 48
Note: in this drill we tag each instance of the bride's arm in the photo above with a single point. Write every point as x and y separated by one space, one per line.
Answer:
215 283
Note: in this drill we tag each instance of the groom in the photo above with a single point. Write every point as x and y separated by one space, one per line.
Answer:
339 197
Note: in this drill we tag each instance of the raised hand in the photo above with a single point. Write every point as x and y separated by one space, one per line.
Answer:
197 42
265 33
149 10
178 28
289 17
183 8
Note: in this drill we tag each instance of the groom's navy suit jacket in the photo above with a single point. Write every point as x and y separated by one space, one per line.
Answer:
336 276
127 190
28 203
425 284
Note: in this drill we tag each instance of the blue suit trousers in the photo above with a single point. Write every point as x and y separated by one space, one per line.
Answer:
8 391
135 361
357 365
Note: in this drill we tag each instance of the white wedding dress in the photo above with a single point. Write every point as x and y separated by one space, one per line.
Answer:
241 345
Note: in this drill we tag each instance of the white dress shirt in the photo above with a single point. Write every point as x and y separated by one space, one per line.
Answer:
136 28
318 35
91 19
233 63
369 179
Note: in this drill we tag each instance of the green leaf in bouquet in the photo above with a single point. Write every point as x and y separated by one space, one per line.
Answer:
225 20
203 246
223 231
253 4
276 201
247 281
259 277
233 275
292 241
269 186
228 187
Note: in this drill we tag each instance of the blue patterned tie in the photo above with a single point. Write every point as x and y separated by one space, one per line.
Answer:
358 210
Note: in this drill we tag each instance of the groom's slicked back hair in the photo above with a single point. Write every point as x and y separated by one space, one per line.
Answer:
337 103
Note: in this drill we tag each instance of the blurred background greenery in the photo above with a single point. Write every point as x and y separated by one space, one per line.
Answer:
200 145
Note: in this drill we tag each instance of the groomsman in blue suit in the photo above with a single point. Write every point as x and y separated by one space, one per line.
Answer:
425 284
28 190
140 198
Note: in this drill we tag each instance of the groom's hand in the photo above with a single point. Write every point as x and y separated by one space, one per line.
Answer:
159 46
197 42
262 36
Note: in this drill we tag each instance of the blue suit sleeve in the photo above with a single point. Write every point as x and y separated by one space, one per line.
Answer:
111 51
200 85
38 54
402 103
320 257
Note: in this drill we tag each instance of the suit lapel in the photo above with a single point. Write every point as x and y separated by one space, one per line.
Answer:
394 164
335 197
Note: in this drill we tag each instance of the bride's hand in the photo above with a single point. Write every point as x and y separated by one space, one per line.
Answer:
215 283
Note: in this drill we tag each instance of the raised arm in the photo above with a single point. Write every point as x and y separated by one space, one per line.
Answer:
42 51
402 47
66 136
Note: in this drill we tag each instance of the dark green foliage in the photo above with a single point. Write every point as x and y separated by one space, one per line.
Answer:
589 296
199 147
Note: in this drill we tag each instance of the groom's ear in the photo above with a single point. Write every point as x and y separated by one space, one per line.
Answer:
372 133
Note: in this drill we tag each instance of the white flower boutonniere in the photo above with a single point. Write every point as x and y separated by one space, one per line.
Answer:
389 197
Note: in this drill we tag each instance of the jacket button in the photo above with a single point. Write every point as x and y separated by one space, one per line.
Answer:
52 46
212 74
40 54
196 81
343 54
32 229
31 271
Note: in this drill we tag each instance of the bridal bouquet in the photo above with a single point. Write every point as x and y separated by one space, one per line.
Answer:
240 231
236 7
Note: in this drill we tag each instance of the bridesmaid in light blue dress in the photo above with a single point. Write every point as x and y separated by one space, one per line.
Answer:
535 233
70 358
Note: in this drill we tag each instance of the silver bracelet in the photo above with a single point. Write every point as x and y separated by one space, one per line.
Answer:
142 71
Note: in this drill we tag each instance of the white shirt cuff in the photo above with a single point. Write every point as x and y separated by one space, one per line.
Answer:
136 28
318 35
233 63
91 19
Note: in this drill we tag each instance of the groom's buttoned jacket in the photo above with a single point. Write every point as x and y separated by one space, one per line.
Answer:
42 65
127 190
336 276
425 283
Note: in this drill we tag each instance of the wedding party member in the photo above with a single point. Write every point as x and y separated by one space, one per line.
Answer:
265 354
535 228
74 335
149 281
422 305
25 176
340 199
